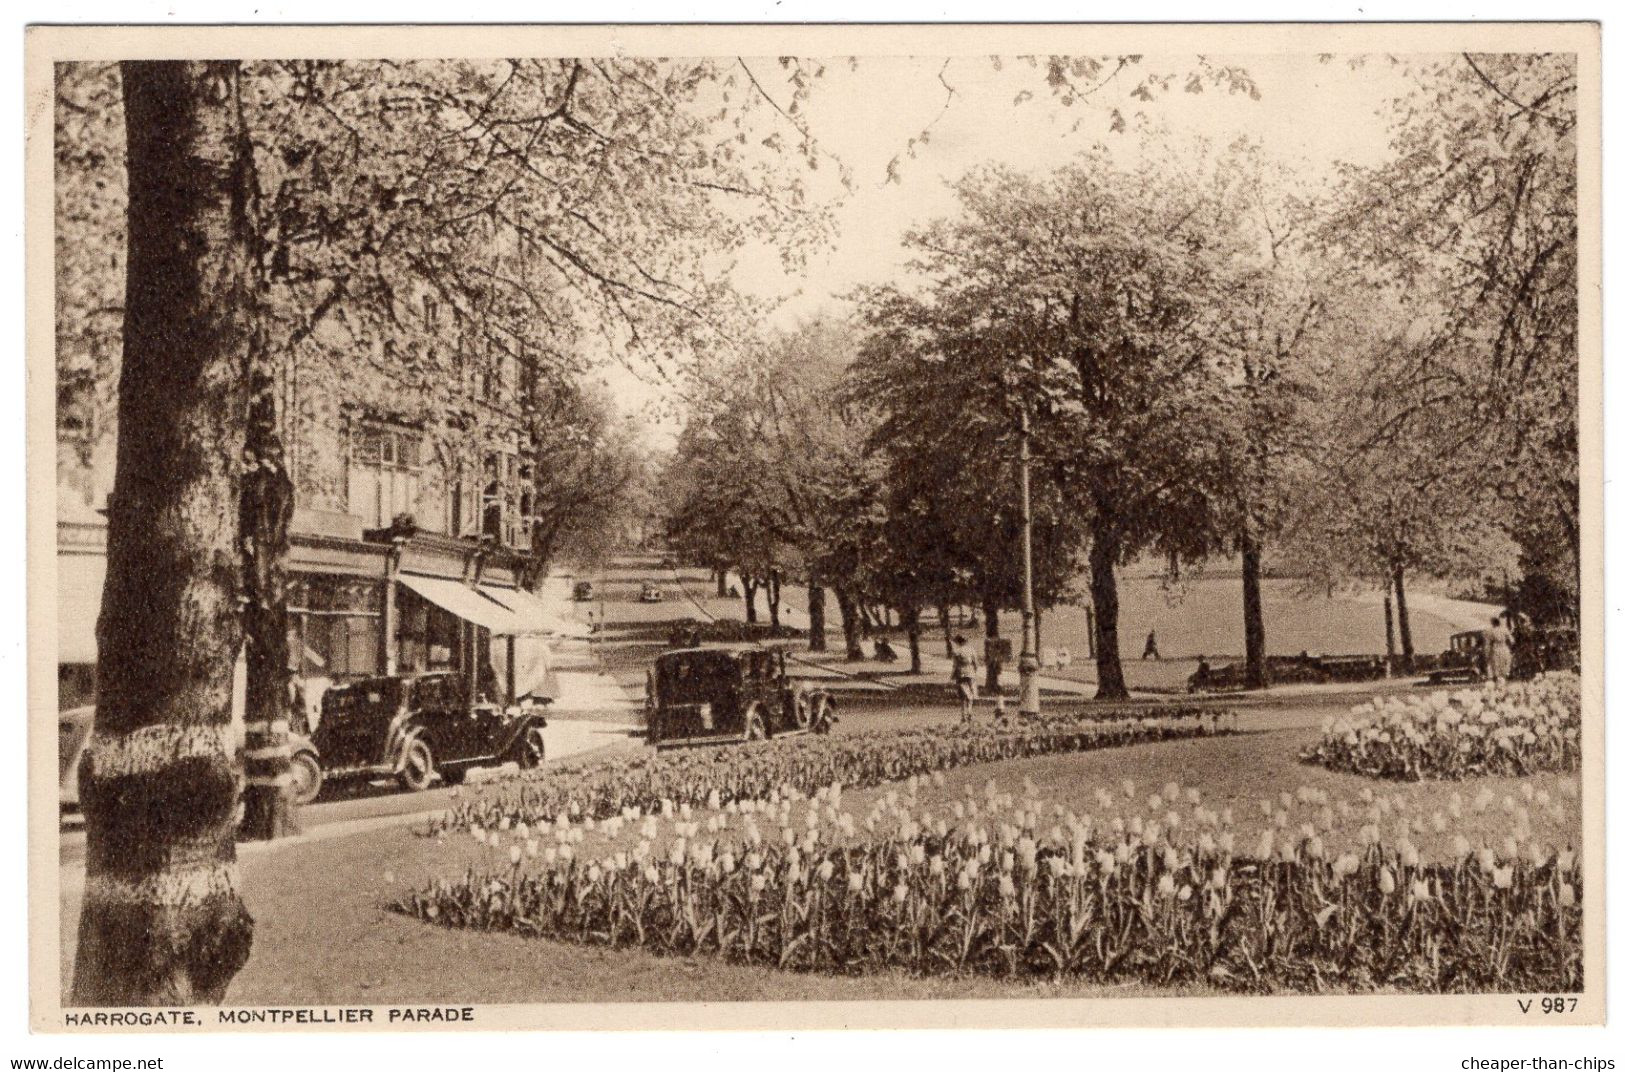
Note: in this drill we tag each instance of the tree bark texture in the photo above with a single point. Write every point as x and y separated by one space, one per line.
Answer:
1252 610
1407 649
773 599
748 586
1103 592
990 617
1388 624
911 622
816 640
849 624
162 921
267 507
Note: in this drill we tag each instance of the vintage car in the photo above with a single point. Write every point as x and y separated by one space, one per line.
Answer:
414 726
583 591
650 593
1464 663
720 695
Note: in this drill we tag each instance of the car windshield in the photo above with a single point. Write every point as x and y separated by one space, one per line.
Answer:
371 695
696 676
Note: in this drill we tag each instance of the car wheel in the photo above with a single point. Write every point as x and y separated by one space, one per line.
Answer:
532 749
417 770
305 778
755 729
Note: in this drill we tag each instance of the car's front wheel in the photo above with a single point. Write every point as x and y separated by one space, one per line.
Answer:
532 749
305 778
417 768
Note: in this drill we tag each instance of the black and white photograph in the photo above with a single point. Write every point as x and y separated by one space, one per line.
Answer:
814 526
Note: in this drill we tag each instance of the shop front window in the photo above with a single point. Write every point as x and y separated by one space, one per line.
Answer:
333 626
427 637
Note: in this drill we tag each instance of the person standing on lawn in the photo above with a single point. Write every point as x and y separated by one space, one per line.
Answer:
1151 651
1498 650
964 675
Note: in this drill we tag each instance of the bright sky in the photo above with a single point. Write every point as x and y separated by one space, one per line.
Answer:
1310 115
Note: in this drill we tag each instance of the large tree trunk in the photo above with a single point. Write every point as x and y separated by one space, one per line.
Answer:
1407 649
722 581
990 616
749 587
773 599
1103 591
849 624
162 921
816 640
267 506
947 630
1252 610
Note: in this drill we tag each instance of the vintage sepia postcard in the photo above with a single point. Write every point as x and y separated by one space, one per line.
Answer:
814 526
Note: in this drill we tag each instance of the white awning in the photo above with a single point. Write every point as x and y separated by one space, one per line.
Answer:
535 614
465 602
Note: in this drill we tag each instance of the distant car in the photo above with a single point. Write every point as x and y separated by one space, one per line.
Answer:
651 594
1464 663
718 695
583 591
73 733
416 726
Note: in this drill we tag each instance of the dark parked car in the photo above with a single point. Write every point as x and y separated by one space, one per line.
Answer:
717 695
1464 663
413 726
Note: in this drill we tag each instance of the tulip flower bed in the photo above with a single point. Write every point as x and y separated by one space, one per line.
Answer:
1499 729
1333 895
753 770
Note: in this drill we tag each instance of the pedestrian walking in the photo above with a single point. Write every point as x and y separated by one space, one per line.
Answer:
964 675
1498 650
1151 651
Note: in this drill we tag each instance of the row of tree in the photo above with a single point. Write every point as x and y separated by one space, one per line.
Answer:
1358 383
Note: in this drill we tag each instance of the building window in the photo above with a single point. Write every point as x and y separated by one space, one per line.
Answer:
333 625
426 637
505 500
385 467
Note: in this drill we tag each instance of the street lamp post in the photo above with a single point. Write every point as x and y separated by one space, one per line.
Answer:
1027 664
